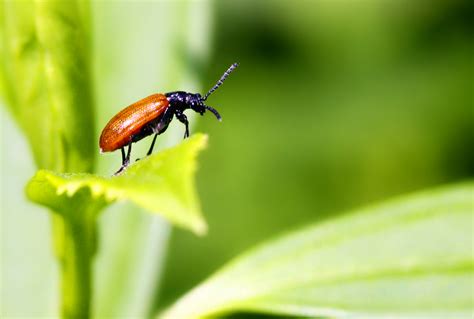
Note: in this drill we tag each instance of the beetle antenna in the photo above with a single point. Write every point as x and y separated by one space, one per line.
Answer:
214 111
219 83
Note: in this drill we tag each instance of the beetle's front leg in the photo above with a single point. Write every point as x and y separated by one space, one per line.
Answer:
183 119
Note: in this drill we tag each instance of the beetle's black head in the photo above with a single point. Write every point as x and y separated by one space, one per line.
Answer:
196 103
182 100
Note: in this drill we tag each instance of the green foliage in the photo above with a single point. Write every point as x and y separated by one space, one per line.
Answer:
162 183
408 257
46 80
351 115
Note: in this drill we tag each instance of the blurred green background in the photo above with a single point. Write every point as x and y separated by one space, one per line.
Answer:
335 104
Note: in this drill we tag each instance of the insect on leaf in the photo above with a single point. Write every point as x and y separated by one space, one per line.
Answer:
162 183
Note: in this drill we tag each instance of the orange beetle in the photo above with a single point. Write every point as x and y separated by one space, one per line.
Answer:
152 115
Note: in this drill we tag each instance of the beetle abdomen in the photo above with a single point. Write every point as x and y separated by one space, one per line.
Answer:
130 121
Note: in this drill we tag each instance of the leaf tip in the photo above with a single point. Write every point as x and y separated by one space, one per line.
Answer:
200 139
39 177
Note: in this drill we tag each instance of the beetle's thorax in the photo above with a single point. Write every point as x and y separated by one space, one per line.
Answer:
181 100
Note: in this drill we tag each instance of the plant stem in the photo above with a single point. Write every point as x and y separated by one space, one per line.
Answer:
74 239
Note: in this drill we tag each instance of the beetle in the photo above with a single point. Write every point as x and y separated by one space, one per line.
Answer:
152 115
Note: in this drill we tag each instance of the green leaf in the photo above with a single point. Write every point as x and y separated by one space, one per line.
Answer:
409 257
46 79
2 52
162 183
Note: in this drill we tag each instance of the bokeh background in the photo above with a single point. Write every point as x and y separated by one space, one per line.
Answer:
336 104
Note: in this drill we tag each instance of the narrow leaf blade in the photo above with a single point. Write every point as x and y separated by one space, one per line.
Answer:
406 258
162 183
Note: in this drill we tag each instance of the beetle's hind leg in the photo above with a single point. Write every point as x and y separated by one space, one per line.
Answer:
125 159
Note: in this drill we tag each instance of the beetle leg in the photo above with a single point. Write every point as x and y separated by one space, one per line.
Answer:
152 145
123 155
183 119
160 128
122 149
125 159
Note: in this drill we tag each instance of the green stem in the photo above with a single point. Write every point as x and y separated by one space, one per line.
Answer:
74 240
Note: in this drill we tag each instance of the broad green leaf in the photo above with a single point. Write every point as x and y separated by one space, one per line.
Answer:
410 257
162 183
45 72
